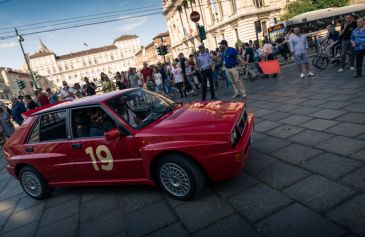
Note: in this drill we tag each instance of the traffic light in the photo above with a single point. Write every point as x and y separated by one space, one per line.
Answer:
258 26
158 49
21 84
164 50
202 33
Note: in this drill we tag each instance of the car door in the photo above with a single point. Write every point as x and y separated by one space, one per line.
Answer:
99 159
48 148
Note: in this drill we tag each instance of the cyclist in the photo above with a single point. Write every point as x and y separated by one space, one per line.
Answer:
332 39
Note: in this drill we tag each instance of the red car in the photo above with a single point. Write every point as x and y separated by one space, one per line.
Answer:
130 137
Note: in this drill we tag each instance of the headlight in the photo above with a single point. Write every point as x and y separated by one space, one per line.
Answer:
234 137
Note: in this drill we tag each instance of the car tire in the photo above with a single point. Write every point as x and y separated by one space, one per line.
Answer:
34 184
180 177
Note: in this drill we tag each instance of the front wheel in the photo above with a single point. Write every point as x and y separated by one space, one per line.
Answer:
33 183
322 63
180 177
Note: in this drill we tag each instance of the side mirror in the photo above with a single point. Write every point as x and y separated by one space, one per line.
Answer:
123 132
112 134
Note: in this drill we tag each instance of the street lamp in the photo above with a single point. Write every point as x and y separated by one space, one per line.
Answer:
21 39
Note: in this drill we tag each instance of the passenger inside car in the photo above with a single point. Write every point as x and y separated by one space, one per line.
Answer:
120 105
82 125
100 123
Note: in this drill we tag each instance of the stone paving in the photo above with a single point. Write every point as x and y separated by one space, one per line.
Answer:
305 177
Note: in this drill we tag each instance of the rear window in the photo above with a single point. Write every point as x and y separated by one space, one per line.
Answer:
49 127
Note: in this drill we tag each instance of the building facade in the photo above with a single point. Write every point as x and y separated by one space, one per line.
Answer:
9 83
149 54
231 20
74 66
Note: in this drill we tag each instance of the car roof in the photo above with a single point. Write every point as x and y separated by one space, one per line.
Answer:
89 100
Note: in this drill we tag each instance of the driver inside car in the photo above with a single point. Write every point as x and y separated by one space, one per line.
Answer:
100 124
127 114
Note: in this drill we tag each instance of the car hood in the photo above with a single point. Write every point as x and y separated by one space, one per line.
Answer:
200 117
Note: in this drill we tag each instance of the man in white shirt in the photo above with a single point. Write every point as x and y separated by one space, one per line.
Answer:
204 63
299 49
67 93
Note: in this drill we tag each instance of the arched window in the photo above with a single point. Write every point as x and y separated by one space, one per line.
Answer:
258 3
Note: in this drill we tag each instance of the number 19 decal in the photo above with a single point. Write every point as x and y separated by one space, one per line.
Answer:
104 155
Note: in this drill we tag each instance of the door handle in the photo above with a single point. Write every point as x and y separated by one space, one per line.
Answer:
29 149
76 146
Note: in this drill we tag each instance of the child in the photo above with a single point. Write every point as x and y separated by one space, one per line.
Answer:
158 80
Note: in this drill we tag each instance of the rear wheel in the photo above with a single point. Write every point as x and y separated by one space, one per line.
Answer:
33 183
180 177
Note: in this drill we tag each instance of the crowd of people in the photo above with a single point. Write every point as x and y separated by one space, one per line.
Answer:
348 41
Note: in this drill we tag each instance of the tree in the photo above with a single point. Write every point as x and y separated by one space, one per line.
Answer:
301 6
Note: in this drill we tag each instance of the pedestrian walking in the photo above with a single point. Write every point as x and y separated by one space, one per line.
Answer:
231 59
41 98
52 97
67 93
120 81
178 78
133 78
347 48
358 42
146 71
157 77
107 85
89 87
8 127
299 49
204 62
17 109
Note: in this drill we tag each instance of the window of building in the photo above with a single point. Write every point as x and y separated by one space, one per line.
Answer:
48 72
90 63
258 3
95 61
66 67
111 57
264 27
84 63
69 77
233 6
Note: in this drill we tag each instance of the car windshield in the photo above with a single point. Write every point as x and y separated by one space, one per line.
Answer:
140 107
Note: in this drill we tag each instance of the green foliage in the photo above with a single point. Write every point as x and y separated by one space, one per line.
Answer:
301 6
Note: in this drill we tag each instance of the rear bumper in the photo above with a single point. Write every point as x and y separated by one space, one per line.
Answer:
229 164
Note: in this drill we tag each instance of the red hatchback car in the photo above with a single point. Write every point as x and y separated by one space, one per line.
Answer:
130 137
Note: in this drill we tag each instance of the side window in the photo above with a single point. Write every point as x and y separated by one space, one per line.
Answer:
34 135
90 122
53 126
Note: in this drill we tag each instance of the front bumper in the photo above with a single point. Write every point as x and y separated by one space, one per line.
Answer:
229 164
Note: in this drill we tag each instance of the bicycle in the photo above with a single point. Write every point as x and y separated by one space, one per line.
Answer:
323 58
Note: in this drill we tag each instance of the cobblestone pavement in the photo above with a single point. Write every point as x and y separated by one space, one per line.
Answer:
305 177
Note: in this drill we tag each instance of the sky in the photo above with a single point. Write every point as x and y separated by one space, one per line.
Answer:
21 12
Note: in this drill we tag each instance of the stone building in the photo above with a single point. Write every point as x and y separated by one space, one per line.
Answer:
223 19
9 83
149 54
72 67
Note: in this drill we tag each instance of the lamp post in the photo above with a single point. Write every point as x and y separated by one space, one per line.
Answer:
20 39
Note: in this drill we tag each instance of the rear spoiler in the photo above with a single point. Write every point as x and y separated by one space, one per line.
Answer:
29 113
